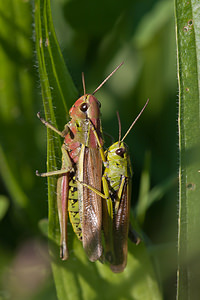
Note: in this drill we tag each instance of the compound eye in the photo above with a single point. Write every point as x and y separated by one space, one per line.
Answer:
84 107
120 152
99 104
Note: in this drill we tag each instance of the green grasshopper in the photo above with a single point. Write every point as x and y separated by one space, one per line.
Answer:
116 181
80 157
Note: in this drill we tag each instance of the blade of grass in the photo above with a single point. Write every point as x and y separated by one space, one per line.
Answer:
188 54
56 84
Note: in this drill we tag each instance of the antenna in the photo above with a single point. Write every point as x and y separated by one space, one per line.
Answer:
107 78
83 81
120 127
135 120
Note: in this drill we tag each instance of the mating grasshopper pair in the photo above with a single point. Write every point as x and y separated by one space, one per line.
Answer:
79 185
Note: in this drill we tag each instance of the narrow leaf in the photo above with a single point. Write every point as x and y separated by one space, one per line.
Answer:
188 53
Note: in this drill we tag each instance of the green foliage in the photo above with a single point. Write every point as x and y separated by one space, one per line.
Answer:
188 46
4 204
94 37
16 98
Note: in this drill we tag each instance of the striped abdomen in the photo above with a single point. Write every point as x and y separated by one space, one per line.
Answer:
73 208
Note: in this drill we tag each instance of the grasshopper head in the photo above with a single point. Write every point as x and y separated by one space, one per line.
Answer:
84 110
86 107
119 160
119 150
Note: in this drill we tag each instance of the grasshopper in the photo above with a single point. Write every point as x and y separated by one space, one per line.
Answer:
80 157
116 181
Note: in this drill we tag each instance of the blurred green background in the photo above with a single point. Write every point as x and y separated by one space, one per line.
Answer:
94 36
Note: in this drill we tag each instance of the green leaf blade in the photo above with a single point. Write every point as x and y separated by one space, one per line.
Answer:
188 51
58 91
